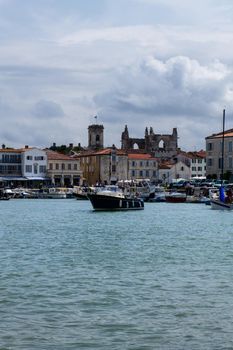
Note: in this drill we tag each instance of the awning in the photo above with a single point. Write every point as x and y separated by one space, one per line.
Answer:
12 178
37 178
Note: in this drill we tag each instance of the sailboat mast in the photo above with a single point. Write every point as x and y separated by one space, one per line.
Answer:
223 139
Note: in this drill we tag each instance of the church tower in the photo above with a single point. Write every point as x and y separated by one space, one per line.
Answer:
125 138
95 136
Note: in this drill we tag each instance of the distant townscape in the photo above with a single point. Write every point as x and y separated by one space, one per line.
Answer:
155 157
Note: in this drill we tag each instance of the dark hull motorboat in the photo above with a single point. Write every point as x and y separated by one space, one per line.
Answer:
108 202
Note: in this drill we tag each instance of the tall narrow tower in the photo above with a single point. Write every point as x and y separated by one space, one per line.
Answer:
95 136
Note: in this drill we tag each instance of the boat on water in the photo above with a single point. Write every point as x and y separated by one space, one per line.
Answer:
4 196
82 192
140 187
176 197
220 205
113 198
159 195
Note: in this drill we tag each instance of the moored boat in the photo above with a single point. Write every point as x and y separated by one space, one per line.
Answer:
112 198
220 205
176 197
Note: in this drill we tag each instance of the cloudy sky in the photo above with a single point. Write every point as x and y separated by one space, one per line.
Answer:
159 63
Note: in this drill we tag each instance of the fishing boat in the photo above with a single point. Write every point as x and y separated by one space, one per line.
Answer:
113 198
224 202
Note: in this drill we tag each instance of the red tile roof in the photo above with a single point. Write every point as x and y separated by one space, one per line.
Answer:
52 155
227 133
105 151
142 156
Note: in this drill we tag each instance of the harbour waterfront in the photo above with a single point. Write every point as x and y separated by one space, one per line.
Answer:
72 278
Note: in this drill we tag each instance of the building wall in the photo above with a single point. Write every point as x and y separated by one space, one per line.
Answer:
214 156
90 167
64 172
142 169
10 163
34 163
198 167
113 168
177 171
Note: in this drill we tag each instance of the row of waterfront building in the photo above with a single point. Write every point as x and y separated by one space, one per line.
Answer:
155 157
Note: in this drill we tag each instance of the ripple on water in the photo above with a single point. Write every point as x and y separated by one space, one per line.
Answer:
75 279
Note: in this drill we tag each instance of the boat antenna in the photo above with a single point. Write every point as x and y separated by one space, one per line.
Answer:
223 139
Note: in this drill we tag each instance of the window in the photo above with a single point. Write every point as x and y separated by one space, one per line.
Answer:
113 168
193 161
69 166
230 163
51 166
133 173
75 166
141 164
147 173
147 163
42 169
39 158
182 168
210 162
199 161
141 173
154 173
35 168
199 168
194 168
133 163
29 157
210 146
230 146
63 166
57 166
28 168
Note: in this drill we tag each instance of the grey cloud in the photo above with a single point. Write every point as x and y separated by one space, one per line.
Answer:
47 109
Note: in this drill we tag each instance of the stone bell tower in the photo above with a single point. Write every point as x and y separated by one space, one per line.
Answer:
95 136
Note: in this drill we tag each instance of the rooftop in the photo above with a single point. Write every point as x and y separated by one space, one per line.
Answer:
52 155
227 133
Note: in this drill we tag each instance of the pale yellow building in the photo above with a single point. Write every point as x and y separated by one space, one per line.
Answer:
63 170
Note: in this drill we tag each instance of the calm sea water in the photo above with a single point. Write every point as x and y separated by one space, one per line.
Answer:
71 278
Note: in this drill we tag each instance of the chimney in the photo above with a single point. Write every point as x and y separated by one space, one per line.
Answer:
3 146
71 145
26 146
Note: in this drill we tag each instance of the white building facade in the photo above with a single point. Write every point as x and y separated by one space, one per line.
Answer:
34 164
169 172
